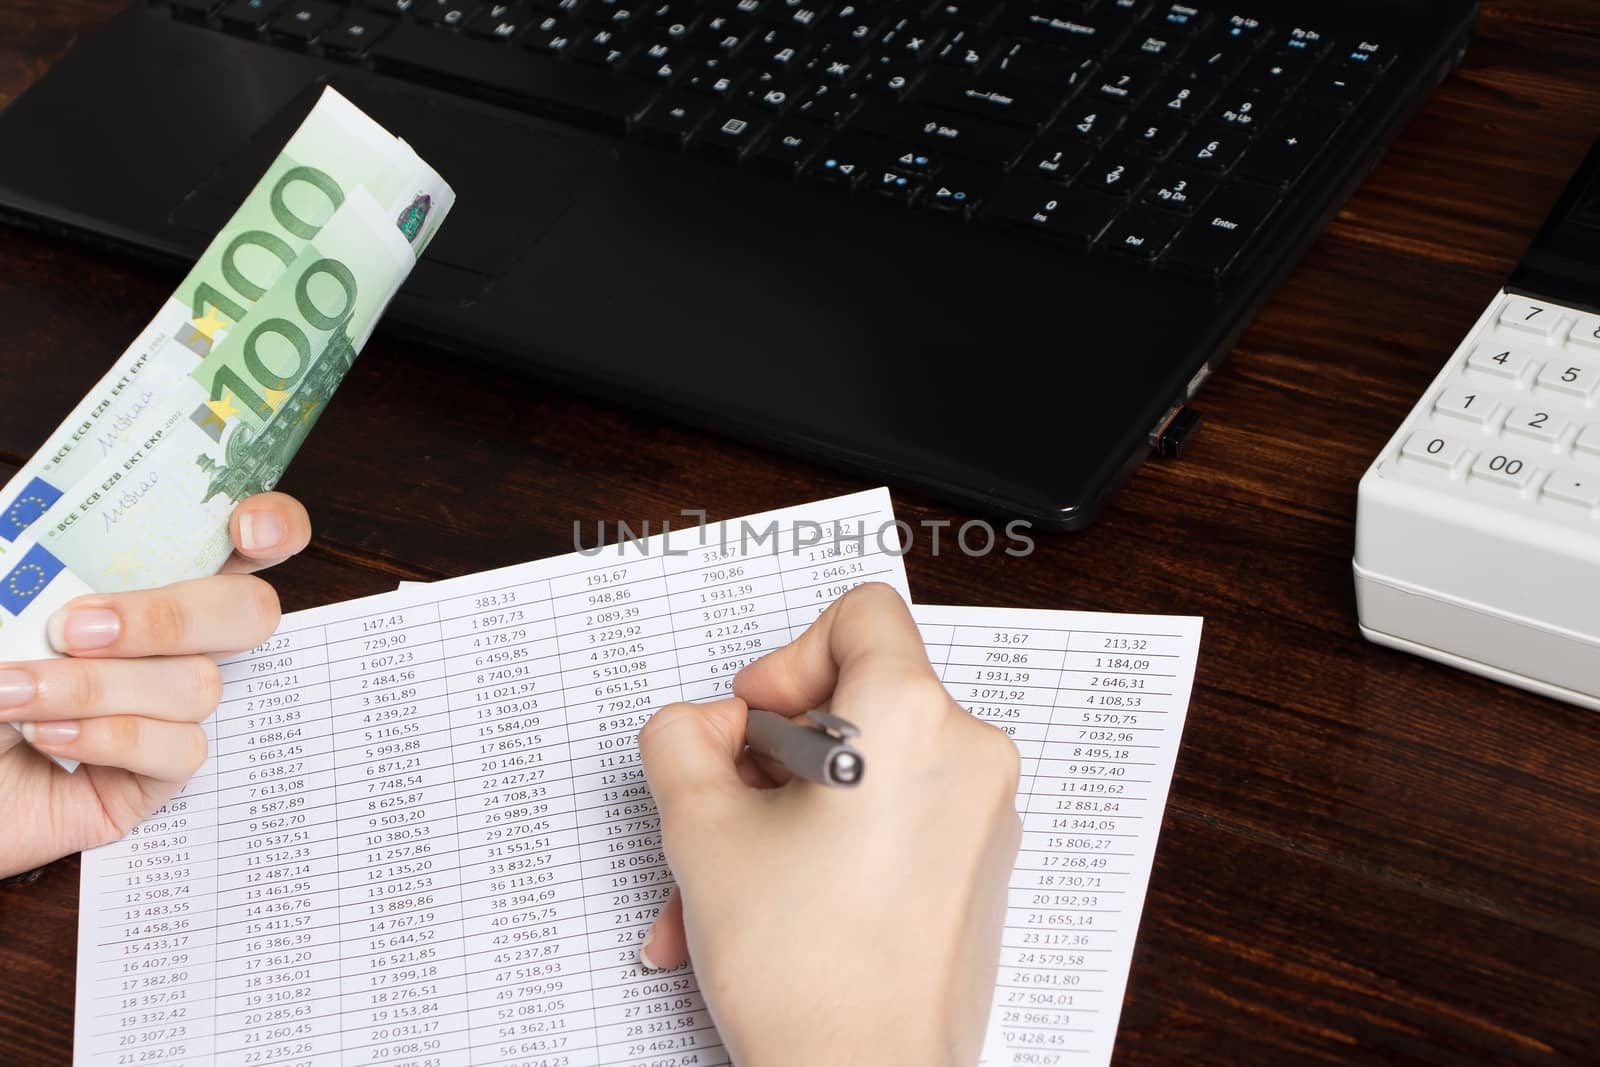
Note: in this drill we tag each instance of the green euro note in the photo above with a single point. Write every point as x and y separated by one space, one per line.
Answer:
336 149
212 401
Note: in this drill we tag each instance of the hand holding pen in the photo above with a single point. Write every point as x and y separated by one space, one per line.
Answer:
904 872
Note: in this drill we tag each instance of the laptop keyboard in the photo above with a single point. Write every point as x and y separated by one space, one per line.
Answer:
1164 133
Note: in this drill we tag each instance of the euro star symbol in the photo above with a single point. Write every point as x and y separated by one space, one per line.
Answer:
123 564
308 410
274 397
222 410
208 324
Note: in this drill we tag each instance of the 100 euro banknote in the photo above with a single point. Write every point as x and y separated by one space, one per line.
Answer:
151 493
335 150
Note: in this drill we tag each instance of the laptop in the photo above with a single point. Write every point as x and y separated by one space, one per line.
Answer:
987 249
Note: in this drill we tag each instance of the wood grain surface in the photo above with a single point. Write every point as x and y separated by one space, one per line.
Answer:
1367 858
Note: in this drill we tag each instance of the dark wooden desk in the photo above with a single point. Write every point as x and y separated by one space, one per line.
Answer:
1367 859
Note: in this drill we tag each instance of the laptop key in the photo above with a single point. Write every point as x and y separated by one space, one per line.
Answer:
657 61
1005 100
730 133
447 13
714 76
1306 44
1211 148
970 138
1183 97
772 93
1058 161
788 147
1342 89
971 14
352 37
965 49
673 118
498 22
911 39
301 22
1142 233
1091 121
1184 18
846 162
1096 34
1115 177
1242 111
902 189
553 34
1214 237
890 77
957 191
1284 151
1125 82
579 94
1026 202
605 47
1073 216
1178 189
1153 133
248 16
1368 54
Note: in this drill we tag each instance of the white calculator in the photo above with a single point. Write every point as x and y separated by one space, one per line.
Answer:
1478 525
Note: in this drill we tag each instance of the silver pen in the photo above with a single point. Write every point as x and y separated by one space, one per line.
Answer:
820 752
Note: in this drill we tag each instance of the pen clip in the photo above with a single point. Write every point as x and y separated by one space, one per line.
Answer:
833 726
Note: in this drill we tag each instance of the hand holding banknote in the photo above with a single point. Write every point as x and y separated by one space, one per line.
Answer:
208 405
127 700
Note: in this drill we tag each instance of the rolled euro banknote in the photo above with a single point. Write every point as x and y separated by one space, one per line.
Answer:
155 508
335 150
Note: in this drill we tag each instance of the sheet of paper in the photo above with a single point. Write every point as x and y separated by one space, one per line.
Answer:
423 836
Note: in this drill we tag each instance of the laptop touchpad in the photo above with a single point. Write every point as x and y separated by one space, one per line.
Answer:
512 179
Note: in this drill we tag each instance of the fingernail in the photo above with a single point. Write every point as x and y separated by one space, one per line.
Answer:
50 733
644 952
260 530
16 688
81 629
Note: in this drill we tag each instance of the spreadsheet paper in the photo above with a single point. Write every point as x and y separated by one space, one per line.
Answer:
423 835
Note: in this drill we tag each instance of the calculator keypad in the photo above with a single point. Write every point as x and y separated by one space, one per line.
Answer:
1515 418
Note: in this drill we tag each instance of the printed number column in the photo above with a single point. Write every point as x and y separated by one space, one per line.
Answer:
154 1003
400 911
277 894
619 663
1010 677
522 892
1096 805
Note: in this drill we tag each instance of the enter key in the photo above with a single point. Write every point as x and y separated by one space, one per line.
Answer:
995 97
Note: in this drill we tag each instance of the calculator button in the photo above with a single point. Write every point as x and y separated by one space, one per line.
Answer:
1589 440
1440 450
1574 487
1585 332
1469 405
1499 361
1573 378
1525 315
1506 468
1530 420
